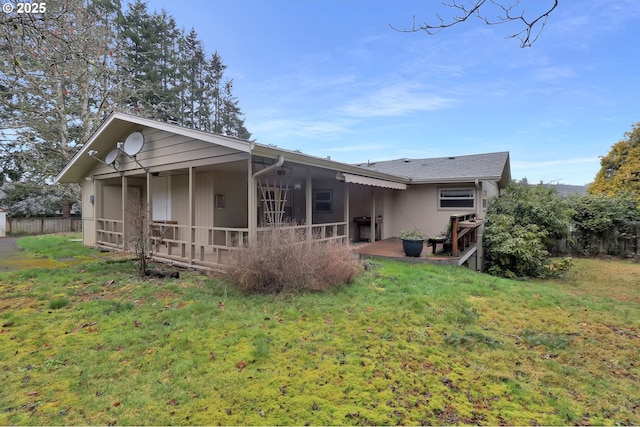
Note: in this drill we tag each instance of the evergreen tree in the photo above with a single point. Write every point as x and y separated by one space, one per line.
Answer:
194 104
169 78
62 72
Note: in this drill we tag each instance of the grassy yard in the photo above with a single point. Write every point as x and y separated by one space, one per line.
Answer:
405 344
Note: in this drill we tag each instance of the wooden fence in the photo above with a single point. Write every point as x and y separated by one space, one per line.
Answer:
42 225
622 241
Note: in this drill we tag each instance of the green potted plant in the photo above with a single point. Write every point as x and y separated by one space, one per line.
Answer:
412 242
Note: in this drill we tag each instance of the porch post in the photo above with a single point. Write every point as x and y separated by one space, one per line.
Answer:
97 199
346 211
252 205
125 202
454 235
149 213
192 213
373 215
309 205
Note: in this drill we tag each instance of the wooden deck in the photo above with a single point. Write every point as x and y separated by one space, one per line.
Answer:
392 248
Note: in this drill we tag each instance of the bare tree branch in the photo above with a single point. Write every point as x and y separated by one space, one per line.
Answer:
480 9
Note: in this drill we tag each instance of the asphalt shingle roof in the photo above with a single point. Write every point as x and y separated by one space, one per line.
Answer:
487 166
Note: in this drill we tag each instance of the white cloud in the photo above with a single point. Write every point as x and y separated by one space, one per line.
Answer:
553 163
548 74
277 129
397 100
358 147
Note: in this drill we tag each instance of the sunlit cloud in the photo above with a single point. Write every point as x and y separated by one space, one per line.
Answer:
553 163
397 100
548 74
282 128
360 147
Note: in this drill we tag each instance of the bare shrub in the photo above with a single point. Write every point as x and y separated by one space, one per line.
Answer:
139 236
283 261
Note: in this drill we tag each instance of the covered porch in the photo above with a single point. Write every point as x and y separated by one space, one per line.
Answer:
200 215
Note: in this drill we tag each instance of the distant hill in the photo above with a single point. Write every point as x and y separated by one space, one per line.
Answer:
565 190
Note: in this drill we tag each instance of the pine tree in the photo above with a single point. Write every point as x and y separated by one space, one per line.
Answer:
194 104
169 78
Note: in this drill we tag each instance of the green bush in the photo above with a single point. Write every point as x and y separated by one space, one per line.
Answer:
521 225
412 235
602 222
513 250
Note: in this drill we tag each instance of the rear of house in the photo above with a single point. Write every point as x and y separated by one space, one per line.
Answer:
208 195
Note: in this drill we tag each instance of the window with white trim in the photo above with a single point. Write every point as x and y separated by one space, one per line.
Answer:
455 198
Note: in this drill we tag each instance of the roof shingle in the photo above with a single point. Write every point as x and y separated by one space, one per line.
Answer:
442 169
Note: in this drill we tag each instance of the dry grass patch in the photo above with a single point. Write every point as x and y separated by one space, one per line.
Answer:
284 261
589 275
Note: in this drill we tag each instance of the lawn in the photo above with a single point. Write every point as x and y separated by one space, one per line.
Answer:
404 344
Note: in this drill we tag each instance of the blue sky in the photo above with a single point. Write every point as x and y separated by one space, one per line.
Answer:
331 78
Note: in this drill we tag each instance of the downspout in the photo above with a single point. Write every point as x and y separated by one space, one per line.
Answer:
276 165
253 220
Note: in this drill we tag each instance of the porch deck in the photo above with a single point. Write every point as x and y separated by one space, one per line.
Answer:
392 248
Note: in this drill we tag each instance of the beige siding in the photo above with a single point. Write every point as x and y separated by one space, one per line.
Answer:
89 232
111 202
88 212
418 207
87 191
233 186
165 148
489 190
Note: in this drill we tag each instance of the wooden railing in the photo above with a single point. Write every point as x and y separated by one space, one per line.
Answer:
110 233
195 244
463 231
207 246
317 232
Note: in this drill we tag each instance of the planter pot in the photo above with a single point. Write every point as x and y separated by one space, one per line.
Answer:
412 247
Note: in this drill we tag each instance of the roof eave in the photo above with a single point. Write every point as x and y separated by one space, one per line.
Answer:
305 159
458 180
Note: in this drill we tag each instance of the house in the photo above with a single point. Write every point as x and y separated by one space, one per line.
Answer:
208 195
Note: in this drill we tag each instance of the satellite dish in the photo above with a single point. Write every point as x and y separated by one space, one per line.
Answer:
111 157
133 144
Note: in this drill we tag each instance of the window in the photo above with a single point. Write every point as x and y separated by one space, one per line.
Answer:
322 201
456 198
